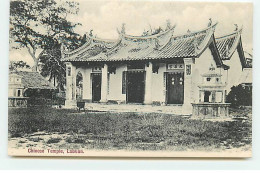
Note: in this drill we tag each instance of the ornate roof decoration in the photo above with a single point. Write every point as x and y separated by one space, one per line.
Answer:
228 44
211 72
163 45
187 45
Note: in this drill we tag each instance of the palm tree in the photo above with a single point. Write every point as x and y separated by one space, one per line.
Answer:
52 67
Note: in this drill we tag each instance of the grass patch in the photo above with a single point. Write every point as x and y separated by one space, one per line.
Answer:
148 131
36 139
53 140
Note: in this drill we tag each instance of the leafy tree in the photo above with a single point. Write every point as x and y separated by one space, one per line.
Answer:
239 96
14 65
36 25
51 65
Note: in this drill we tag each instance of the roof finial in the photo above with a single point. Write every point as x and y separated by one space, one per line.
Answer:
145 33
91 33
123 28
168 24
157 45
236 27
188 31
211 68
210 22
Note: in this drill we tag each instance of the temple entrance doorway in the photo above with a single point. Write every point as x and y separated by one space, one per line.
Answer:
135 86
96 87
175 88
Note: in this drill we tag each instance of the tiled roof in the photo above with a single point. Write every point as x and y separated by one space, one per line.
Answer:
34 80
188 46
227 44
91 48
160 46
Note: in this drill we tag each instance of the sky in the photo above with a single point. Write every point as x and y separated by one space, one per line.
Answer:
104 17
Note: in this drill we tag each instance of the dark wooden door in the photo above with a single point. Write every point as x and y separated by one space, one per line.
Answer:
175 88
96 87
135 87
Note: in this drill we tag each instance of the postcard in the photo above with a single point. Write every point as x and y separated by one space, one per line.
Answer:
130 79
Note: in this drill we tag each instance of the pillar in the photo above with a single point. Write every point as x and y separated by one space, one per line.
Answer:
148 84
70 85
188 67
104 83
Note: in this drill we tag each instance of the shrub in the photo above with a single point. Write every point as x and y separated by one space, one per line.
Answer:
239 96
53 140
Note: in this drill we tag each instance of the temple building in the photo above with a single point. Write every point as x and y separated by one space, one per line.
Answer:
161 69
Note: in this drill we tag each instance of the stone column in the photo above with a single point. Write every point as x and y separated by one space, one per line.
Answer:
188 68
148 84
104 84
70 85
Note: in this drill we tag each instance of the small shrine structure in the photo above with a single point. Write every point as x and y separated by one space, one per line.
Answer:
212 94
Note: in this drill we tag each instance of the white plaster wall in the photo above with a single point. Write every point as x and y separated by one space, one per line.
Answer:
158 90
224 77
115 84
200 67
87 91
70 82
246 76
86 74
234 72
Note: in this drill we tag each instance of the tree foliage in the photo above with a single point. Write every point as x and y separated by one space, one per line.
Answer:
51 65
14 65
240 96
36 25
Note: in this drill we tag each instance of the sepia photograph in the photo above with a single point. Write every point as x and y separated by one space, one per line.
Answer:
130 78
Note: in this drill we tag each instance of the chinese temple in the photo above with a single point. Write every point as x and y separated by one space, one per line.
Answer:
161 69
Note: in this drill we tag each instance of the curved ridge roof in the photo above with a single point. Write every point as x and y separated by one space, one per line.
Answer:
186 45
162 45
227 44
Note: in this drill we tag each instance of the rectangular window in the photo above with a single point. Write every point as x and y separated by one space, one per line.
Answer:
188 69
69 71
18 93
124 82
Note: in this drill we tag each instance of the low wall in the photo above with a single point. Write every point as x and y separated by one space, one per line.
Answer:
210 110
17 101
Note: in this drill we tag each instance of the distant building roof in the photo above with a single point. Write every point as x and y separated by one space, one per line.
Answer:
228 44
33 80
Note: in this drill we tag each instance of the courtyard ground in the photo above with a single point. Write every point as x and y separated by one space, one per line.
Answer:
44 128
